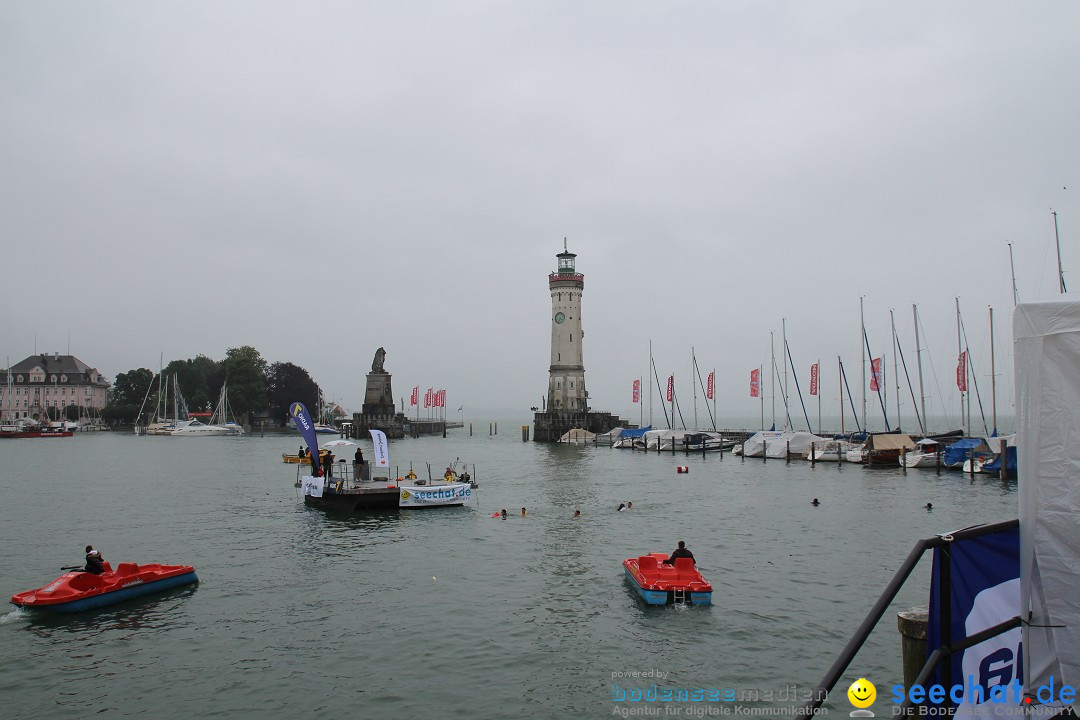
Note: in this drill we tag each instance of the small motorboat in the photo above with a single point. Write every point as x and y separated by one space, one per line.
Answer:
662 584
306 460
77 591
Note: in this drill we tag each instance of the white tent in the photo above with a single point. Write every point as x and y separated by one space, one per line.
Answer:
1047 352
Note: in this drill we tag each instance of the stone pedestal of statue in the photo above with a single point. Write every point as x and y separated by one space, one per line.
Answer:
379 411
379 396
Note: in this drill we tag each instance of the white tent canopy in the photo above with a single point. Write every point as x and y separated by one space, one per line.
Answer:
1047 351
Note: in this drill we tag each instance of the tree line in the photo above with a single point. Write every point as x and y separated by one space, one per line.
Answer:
254 386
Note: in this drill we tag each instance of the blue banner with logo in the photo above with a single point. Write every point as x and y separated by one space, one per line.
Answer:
302 420
983 591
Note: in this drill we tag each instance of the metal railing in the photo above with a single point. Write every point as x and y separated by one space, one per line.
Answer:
344 475
947 648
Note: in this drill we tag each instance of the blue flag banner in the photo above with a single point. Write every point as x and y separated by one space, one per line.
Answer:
302 420
984 590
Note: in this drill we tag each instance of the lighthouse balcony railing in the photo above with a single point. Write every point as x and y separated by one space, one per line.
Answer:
563 277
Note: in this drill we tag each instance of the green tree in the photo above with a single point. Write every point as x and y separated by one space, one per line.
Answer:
130 388
245 373
122 414
287 383
200 380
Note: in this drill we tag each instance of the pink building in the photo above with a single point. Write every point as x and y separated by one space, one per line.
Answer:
41 382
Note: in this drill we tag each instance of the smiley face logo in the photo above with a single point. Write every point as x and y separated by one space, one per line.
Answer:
862 693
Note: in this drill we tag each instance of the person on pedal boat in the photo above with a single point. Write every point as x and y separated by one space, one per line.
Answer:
95 564
680 552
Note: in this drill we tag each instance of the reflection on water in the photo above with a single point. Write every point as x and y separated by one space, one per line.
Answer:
153 612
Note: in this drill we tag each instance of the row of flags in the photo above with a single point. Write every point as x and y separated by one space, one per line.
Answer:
877 379
710 388
432 398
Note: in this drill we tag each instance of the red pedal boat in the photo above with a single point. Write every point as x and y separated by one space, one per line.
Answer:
661 584
78 591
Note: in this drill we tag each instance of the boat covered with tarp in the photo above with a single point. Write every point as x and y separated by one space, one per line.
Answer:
965 449
577 435
886 448
631 438
777 443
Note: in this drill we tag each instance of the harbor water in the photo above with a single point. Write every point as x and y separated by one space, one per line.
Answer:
452 612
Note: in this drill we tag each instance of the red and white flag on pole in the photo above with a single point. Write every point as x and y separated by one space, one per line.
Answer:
671 388
961 372
710 385
755 382
876 380
427 398
637 391
813 378
442 398
415 395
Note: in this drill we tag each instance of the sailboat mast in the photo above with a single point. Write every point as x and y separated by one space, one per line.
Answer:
693 360
918 359
772 375
650 384
1057 241
714 418
862 342
840 371
818 388
7 392
993 374
783 328
761 396
895 368
1012 272
959 352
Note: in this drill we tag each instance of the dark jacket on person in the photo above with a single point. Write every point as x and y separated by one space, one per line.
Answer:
680 552
94 563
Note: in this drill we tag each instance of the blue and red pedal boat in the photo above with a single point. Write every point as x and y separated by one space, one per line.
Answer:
662 584
77 591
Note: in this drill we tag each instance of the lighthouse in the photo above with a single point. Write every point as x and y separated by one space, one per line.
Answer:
566 374
567 403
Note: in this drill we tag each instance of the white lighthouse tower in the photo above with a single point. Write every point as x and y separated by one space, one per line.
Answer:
566 375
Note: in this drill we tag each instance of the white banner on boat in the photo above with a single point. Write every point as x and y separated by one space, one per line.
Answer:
312 486
426 496
382 452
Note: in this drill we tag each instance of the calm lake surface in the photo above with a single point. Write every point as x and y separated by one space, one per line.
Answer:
451 613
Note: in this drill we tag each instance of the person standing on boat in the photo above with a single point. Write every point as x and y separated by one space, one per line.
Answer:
680 552
328 464
95 564
301 454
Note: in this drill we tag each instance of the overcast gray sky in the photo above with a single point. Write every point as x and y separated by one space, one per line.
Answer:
318 179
